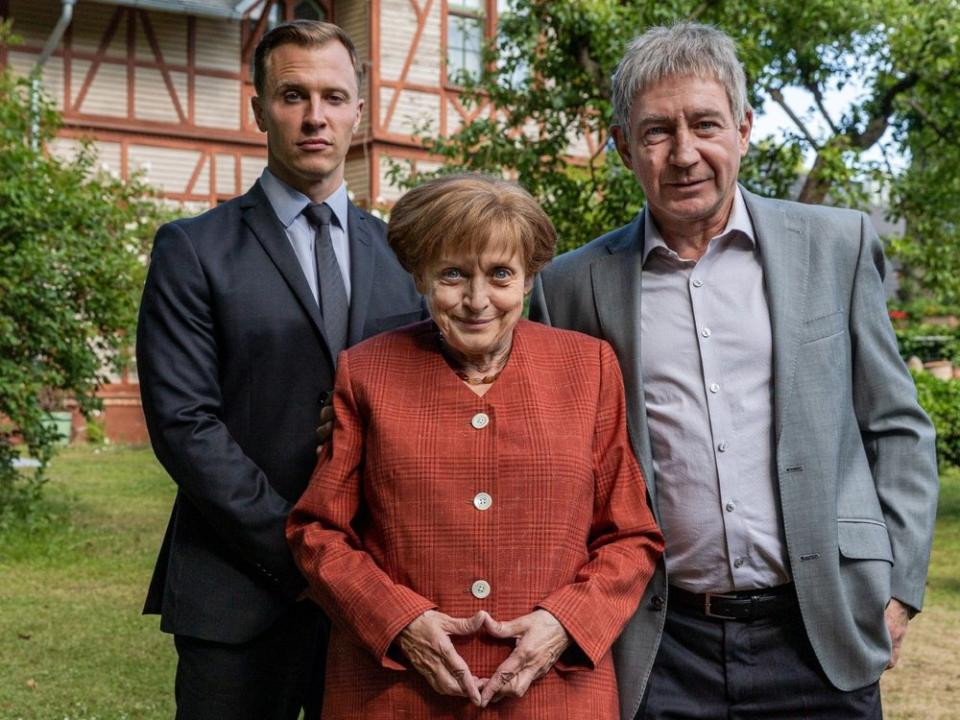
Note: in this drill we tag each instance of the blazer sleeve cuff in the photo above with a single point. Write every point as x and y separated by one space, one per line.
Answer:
566 608
411 607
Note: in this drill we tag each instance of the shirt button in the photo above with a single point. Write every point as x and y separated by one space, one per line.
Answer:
730 507
706 332
738 563
482 501
480 421
714 388
697 282
480 589
722 446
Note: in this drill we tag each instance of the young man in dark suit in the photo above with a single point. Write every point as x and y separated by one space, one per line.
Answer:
244 312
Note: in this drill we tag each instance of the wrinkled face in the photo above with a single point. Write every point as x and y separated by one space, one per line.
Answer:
476 300
685 149
310 109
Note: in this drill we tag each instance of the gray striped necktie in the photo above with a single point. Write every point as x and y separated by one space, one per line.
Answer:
333 294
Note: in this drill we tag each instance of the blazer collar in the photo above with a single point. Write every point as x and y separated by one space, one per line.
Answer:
616 281
362 262
783 240
259 216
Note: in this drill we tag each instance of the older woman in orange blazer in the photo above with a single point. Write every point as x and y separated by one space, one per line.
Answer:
477 528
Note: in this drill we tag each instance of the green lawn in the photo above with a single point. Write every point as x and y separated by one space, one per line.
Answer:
943 586
73 644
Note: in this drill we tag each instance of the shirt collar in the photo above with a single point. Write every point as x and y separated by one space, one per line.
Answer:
739 221
288 203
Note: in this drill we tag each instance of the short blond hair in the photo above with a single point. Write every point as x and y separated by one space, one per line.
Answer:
469 212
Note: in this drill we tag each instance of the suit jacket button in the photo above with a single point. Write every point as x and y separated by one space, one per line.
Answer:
657 602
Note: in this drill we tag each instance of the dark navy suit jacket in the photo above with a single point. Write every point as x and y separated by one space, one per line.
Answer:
233 369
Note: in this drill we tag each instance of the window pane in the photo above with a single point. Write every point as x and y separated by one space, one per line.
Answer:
464 44
308 10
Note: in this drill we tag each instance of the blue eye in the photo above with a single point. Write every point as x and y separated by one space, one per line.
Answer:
451 274
502 273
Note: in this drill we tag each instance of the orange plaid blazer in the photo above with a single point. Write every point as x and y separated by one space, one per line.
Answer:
393 522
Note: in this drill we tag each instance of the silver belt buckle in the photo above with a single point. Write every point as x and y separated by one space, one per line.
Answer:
706 606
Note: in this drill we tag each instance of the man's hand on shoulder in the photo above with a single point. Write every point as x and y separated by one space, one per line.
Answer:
325 428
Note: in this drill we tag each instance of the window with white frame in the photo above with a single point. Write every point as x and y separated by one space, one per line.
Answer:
466 20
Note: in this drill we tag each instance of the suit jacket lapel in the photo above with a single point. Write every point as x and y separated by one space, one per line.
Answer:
263 222
616 280
361 272
785 256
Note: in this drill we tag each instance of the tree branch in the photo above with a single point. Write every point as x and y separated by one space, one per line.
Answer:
814 90
592 68
925 116
880 118
778 98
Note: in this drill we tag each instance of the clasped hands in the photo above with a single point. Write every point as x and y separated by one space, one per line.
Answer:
540 639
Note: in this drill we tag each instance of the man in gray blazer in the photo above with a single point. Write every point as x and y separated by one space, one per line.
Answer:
786 457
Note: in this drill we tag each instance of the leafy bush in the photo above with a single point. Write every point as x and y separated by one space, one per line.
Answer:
72 262
941 400
930 342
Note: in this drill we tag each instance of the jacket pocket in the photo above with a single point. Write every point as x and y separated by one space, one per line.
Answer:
864 540
824 326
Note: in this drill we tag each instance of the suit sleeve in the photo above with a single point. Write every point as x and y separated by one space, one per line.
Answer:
624 542
897 434
342 576
178 361
538 302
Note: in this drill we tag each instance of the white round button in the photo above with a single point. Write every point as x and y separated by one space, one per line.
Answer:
738 563
697 282
482 501
480 421
722 447
730 507
480 589
706 332
714 388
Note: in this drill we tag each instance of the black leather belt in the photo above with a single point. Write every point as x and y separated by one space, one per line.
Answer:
743 605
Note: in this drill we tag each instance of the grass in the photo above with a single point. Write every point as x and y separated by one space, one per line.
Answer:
73 644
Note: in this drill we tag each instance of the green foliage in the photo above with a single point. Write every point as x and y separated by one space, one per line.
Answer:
930 342
96 432
72 582
941 400
72 262
549 69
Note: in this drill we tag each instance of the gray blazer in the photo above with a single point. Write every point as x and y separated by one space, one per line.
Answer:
855 456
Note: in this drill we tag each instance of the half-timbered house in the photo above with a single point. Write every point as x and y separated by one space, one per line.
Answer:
163 87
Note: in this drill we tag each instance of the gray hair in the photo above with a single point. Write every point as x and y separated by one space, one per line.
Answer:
686 48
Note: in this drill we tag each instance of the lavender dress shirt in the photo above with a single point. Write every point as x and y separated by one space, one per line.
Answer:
708 387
